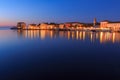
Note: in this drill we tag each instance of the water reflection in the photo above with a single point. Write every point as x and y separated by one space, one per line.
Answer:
102 37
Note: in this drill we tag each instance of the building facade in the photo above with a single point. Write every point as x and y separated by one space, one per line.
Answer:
61 26
21 25
104 24
33 26
43 26
114 26
51 26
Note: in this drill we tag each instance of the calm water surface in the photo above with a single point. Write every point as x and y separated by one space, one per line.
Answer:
39 55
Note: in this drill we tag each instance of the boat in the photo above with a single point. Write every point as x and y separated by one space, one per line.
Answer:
14 27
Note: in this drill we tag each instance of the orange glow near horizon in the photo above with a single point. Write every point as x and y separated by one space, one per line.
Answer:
7 23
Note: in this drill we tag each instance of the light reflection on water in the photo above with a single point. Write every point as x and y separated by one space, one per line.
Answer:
37 54
103 37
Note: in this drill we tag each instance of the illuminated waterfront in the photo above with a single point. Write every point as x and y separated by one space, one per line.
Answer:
43 54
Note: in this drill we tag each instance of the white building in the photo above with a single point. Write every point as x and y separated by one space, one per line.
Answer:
33 26
103 24
51 26
43 26
21 25
114 26
61 26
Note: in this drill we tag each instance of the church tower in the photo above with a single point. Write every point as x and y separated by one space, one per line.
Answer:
94 22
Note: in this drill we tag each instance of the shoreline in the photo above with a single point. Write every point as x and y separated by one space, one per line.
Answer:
87 30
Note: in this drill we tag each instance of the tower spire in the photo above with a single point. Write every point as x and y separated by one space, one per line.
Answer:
94 22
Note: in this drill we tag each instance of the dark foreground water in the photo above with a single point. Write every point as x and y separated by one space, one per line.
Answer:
52 55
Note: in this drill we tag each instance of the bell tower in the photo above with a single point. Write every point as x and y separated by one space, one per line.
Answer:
94 22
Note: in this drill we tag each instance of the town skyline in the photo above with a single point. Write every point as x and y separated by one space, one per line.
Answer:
58 11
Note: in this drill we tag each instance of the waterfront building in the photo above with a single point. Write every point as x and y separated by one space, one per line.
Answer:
33 26
73 25
103 24
21 25
61 26
56 27
43 26
51 26
77 25
68 25
114 26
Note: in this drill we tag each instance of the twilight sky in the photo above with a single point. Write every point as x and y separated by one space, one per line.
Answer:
35 11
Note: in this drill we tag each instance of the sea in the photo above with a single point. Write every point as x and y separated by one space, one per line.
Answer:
59 55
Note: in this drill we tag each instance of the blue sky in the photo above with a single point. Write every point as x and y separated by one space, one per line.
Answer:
35 11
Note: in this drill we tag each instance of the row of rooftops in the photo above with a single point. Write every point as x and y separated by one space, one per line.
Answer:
67 23
59 23
111 21
70 23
